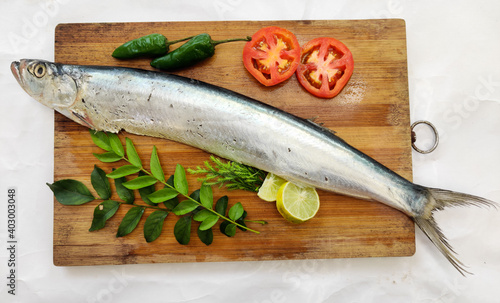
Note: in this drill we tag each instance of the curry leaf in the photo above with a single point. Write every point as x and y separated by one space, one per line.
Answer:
230 230
163 195
108 157
71 192
100 139
202 215
130 221
124 193
221 205
123 171
132 155
185 207
209 222
182 230
206 236
144 192
140 182
180 181
195 195
100 183
236 211
116 144
241 221
206 196
171 203
170 181
223 226
102 213
154 225
155 165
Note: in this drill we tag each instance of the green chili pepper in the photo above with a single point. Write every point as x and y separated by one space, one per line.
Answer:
152 45
197 49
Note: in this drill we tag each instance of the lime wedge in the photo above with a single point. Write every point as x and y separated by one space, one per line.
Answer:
296 203
269 189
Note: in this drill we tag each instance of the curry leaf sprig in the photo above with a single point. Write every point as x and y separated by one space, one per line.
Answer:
231 174
197 206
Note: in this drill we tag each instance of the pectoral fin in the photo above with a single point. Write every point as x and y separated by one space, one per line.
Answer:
83 120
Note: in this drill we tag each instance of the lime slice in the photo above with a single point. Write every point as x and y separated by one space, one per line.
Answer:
297 203
269 189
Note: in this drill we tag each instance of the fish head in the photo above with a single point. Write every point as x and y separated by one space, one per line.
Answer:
46 82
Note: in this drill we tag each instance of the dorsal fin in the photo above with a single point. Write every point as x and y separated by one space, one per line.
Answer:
320 124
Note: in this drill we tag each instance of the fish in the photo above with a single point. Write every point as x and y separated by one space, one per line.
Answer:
235 127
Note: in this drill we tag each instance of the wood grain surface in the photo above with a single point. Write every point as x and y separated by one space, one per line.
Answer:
371 113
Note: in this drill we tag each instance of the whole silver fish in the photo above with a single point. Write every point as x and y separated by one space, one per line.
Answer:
234 127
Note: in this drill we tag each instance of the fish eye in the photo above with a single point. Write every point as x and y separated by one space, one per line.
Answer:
39 70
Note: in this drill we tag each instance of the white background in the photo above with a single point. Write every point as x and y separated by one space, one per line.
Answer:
454 80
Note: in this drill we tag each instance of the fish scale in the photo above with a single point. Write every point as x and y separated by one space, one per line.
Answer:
234 127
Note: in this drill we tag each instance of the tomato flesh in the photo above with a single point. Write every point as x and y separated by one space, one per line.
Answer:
326 66
272 56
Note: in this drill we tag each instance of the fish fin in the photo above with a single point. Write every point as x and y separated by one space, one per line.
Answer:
313 119
440 199
84 120
319 124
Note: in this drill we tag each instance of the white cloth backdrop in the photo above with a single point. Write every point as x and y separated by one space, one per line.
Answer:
454 81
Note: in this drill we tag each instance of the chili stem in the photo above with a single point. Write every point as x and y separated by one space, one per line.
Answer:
248 38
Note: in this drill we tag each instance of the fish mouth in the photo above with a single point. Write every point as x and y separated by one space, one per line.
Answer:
14 67
17 68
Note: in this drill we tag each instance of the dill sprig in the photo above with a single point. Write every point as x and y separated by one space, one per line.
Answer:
231 174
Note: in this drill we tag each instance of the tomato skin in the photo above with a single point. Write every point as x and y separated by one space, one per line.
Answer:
325 58
272 56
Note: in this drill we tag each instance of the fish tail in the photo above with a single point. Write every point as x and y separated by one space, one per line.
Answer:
438 200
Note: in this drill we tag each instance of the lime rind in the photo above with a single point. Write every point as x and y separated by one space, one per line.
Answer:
296 203
269 188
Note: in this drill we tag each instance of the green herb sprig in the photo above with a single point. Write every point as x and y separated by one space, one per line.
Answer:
231 174
197 206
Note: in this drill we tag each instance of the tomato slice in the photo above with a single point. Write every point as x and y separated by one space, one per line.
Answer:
326 66
272 56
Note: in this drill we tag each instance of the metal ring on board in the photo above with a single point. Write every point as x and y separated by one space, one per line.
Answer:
414 137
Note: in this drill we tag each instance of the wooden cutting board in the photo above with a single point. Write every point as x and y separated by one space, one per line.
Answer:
372 113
